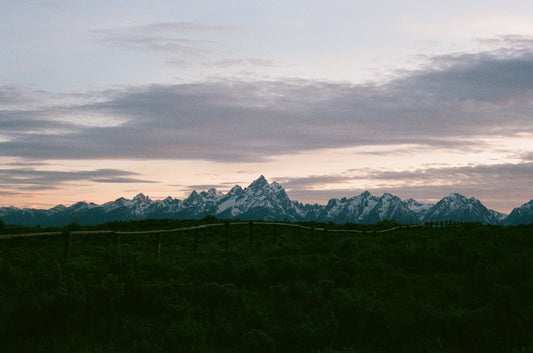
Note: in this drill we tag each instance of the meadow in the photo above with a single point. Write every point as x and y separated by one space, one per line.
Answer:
461 289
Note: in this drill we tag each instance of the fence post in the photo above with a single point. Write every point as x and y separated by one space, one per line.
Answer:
68 244
227 236
251 232
158 246
195 247
116 234
117 239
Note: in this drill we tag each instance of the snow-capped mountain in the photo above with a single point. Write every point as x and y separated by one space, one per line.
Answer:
260 200
419 208
264 201
520 215
367 209
460 208
199 205
500 217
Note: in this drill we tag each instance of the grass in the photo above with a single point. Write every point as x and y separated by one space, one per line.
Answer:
465 289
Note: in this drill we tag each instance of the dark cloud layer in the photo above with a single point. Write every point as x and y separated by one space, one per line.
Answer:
450 103
497 174
497 185
32 179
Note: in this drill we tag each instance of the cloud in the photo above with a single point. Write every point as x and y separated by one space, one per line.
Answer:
188 47
32 179
313 181
454 103
180 27
527 157
429 185
186 39
485 77
241 62
509 43
497 174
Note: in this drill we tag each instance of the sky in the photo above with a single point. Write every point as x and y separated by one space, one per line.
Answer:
104 99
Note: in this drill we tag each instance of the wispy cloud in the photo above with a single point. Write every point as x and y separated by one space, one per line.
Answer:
34 179
181 27
186 39
509 42
182 46
240 62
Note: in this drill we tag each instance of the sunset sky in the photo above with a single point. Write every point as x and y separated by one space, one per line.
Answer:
103 99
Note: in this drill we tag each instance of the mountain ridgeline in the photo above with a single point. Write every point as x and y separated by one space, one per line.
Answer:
269 202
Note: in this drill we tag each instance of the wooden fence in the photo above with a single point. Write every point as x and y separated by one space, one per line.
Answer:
196 229
443 224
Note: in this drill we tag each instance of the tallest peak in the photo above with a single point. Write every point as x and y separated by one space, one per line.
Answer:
259 182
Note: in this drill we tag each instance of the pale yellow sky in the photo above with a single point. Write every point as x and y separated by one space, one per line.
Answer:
348 168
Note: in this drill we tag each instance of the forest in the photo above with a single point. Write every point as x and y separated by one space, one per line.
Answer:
456 289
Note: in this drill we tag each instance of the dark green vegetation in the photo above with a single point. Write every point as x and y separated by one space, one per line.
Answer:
465 289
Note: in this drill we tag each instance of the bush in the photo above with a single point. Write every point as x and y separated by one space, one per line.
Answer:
257 341
421 290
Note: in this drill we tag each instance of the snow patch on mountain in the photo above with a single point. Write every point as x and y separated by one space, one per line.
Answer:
460 208
520 215
264 201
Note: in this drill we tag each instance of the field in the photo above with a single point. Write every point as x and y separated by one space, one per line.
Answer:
464 289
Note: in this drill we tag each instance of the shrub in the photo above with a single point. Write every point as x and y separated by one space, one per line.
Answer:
257 341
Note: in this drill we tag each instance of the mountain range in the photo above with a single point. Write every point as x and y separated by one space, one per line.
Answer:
264 201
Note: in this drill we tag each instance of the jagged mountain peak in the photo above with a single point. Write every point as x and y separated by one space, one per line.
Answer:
413 201
520 215
388 197
419 208
211 194
261 200
140 197
274 185
367 208
237 189
259 183
455 196
458 207
456 200
79 205
58 208
364 197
